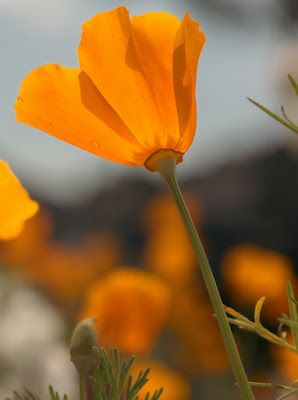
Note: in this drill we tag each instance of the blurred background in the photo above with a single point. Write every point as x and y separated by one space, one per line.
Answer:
129 262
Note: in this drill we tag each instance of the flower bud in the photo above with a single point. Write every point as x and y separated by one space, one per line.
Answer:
81 346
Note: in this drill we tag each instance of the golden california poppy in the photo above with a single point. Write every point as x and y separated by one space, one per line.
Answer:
27 246
196 330
175 385
133 95
251 272
286 361
15 204
131 306
168 251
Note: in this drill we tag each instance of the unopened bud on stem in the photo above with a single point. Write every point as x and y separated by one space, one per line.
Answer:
81 346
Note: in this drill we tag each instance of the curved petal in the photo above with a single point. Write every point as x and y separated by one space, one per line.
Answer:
65 103
15 204
154 35
130 62
187 49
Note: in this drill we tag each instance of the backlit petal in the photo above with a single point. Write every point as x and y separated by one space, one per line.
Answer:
134 94
130 61
65 103
15 204
187 48
154 35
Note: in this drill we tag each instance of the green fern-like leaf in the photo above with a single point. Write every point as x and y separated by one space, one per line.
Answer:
112 380
288 389
28 395
54 395
286 121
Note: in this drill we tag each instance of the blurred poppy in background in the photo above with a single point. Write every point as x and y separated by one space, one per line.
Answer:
131 307
251 272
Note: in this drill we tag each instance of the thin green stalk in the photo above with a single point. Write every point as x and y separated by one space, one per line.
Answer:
82 383
293 313
166 167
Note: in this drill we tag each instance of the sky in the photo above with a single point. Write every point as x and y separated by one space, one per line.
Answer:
241 58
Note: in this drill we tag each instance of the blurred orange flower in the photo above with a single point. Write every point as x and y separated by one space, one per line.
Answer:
175 385
251 272
201 350
15 204
286 361
169 254
131 307
161 210
62 269
27 246
65 271
168 251
134 93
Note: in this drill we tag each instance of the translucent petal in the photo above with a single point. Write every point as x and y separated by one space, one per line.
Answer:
187 49
65 103
15 204
131 63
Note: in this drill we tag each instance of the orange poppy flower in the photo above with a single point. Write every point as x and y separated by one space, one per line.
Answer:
175 385
251 272
133 95
15 204
286 361
201 350
131 306
60 269
30 243
168 251
67 271
161 210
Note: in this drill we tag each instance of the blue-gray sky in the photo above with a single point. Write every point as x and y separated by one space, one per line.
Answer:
241 58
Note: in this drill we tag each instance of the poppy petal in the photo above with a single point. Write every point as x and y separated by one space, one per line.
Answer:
118 54
65 103
15 204
154 35
188 45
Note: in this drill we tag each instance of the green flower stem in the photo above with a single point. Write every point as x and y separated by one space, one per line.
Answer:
167 167
82 383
